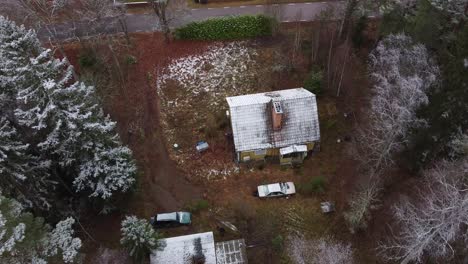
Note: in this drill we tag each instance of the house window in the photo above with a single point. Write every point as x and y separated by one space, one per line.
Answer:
293 155
260 152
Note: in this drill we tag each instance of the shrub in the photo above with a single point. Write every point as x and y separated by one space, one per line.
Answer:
197 206
87 60
277 242
235 27
313 83
130 60
316 185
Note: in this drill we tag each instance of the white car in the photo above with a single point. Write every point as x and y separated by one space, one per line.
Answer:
280 189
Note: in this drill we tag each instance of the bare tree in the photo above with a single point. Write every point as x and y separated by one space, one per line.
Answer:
361 202
351 7
274 9
323 18
440 217
318 251
403 73
297 41
458 9
459 145
45 12
160 10
101 16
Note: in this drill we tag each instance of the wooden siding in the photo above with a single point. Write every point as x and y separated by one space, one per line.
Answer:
272 152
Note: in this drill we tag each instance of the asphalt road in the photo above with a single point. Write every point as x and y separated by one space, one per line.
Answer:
148 22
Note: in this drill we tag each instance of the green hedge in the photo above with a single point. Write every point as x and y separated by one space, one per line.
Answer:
226 28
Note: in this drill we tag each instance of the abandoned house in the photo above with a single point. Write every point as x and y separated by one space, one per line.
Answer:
281 124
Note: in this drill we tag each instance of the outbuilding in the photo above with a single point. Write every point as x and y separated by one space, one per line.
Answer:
199 248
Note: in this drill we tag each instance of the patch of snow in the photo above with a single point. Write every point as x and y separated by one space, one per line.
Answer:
221 68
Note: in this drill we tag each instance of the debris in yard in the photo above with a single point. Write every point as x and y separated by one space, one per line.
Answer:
229 225
202 146
327 207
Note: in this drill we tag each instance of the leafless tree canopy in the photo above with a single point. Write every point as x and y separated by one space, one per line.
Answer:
402 73
167 11
430 225
319 251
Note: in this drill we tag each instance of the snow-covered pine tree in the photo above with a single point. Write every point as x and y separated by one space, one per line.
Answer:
139 237
26 239
24 174
62 118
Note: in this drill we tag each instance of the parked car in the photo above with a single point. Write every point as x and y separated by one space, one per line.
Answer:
171 219
281 189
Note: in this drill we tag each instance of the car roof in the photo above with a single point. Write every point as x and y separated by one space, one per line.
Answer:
166 217
275 187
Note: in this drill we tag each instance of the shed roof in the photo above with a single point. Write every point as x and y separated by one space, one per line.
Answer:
252 124
231 252
181 249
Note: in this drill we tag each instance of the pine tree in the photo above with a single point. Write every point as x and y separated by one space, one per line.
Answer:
24 174
139 237
26 239
60 118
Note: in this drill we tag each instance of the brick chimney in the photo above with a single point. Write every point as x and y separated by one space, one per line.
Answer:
277 115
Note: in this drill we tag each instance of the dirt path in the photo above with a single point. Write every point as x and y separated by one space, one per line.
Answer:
165 187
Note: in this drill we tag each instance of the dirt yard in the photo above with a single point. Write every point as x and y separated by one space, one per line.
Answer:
163 103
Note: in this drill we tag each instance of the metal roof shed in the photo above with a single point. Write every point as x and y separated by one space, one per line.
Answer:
183 249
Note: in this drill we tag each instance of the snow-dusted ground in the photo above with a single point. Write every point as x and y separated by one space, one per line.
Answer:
195 87
223 69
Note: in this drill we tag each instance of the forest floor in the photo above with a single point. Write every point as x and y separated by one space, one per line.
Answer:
166 185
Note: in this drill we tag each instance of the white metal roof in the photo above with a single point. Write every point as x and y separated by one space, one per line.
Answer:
181 249
251 119
293 148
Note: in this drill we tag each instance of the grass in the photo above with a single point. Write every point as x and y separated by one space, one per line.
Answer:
315 185
197 206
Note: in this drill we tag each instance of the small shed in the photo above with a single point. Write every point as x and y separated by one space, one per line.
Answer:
186 250
199 248
283 124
